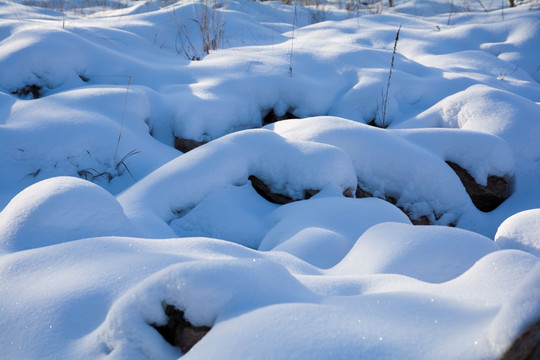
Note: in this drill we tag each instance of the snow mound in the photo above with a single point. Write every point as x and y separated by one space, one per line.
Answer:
521 231
206 291
409 166
96 133
321 231
59 210
387 316
233 213
518 312
512 117
429 253
287 167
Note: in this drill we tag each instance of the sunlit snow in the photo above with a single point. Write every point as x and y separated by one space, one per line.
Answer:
376 247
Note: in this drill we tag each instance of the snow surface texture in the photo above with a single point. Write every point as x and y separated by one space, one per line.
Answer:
103 221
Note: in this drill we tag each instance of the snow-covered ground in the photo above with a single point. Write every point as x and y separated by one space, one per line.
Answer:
104 221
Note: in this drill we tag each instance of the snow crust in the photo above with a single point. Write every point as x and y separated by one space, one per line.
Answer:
103 222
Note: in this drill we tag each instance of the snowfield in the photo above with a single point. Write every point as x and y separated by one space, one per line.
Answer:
322 180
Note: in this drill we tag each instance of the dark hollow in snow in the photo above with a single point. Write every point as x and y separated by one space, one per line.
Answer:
185 145
374 123
178 331
271 117
526 346
33 89
485 198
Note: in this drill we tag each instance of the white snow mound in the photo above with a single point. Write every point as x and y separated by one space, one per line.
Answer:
521 231
58 210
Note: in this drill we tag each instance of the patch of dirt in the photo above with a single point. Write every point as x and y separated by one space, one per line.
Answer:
178 331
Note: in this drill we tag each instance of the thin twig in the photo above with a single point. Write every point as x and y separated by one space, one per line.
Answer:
385 98
122 121
292 39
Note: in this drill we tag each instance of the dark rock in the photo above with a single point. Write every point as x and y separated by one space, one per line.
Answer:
422 220
262 189
485 198
526 346
180 332
361 193
310 193
185 145
392 200
348 193
33 89
271 117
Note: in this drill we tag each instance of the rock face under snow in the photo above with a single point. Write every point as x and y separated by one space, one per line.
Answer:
485 198
178 331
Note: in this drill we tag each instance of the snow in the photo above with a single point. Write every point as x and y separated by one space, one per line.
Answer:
103 222
520 231
323 230
427 253
60 209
